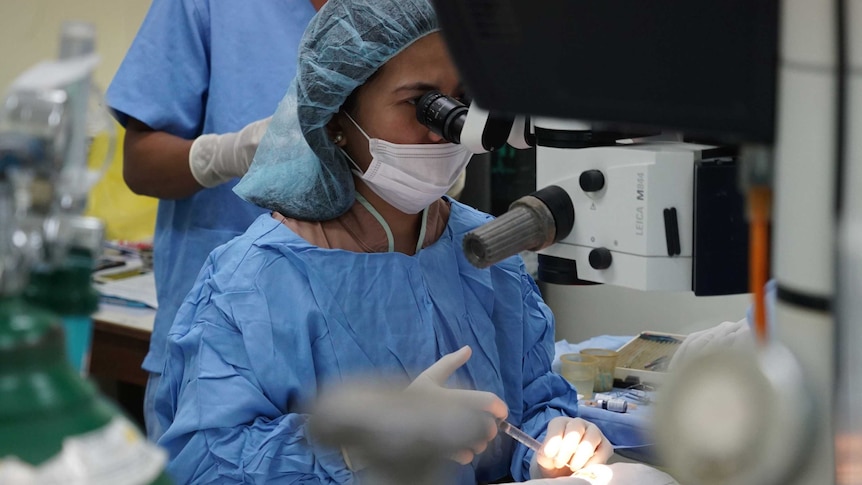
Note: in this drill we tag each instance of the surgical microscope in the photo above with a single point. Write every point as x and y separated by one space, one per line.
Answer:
692 146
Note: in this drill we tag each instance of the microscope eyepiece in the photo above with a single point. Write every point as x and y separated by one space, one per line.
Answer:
442 114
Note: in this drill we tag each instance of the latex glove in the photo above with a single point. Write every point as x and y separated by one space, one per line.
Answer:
432 380
725 335
570 445
616 474
215 159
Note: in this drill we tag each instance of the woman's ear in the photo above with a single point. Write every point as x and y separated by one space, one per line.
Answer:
335 131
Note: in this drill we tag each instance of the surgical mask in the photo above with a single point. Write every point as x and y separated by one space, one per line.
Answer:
411 177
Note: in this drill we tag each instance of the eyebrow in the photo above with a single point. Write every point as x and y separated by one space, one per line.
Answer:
421 86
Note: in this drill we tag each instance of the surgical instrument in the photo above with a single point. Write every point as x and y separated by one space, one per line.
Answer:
519 436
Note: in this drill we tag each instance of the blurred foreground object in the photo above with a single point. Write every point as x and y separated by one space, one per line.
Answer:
54 427
400 437
735 415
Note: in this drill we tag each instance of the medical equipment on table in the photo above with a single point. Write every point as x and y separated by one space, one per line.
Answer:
606 363
519 436
580 370
614 404
644 359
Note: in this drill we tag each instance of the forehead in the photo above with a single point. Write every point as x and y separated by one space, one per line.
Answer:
426 60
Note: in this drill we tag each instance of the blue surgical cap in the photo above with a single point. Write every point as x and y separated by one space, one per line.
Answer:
297 170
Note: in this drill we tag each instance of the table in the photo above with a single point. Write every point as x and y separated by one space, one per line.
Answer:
121 338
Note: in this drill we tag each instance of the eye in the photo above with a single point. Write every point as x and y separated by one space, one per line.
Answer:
414 101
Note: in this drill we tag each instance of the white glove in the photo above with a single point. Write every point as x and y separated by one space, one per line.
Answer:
726 335
215 159
570 445
616 474
432 379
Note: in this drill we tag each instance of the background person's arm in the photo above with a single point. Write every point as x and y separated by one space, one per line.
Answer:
170 167
156 163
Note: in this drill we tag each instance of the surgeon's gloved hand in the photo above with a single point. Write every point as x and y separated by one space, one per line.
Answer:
215 159
737 335
570 445
432 381
616 474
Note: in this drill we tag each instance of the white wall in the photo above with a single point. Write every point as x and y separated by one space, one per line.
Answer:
30 29
587 311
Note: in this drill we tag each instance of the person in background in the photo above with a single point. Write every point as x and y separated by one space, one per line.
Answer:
357 270
194 93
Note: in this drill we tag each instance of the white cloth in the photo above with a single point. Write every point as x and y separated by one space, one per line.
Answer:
615 474
725 335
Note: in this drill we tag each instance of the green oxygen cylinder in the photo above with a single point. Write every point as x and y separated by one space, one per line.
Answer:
54 427
65 288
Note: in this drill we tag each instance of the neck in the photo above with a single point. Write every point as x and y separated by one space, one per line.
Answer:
405 227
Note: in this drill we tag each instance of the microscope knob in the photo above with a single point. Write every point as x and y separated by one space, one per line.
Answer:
600 258
592 180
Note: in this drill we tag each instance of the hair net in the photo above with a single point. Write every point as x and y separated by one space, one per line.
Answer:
297 170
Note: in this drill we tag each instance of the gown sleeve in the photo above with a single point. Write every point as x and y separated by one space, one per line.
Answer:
227 416
164 77
546 395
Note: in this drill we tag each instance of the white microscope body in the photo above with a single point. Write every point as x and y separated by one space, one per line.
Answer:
633 211
621 210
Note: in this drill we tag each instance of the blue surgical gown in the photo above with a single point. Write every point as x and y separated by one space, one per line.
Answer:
195 67
272 318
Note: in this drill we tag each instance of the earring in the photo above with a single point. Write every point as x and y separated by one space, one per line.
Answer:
338 138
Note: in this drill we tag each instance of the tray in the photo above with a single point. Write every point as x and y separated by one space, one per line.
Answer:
645 358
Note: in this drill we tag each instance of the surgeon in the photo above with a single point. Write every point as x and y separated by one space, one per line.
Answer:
357 271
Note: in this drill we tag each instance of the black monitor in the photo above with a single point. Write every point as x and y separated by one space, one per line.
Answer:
703 67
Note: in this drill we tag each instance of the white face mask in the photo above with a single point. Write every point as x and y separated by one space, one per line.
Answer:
411 177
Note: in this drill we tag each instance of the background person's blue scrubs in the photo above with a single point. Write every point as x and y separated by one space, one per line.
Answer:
200 67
